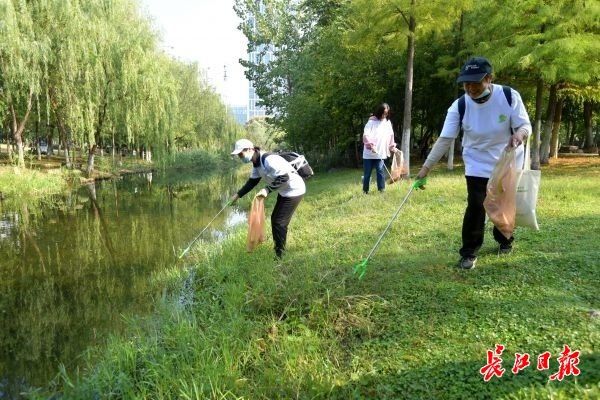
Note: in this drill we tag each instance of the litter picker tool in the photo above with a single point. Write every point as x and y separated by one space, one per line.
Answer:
389 173
360 269
184 252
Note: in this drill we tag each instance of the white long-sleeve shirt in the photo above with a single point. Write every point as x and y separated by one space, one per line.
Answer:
275 166
487 129
379 134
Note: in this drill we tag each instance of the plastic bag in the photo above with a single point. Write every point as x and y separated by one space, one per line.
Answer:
256 224
527 193
500 200
398 169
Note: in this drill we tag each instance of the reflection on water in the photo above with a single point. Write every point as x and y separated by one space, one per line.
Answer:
69 272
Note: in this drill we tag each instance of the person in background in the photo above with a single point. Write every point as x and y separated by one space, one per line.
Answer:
493 119
280 177
378 140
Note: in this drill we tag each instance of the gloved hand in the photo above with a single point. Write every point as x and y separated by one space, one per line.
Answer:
517 138
420 183
262 193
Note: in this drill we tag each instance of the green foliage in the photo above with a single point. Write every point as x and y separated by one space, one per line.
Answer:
414 327
264 134
199 161
94 72
348 56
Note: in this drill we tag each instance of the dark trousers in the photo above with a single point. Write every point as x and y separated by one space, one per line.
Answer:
474 220
280 219
368 165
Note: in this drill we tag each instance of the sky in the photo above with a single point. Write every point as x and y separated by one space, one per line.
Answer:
204 31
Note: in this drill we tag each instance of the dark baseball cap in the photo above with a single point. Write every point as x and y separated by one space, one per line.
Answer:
474 70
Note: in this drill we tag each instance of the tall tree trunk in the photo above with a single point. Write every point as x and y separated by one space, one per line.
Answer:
545 148
64 139
7 130
556 128
113 146
587 122
408 91
537 129
67 151
571 132
92 147
38 140
457 46
19 127
50 141
9 147
90 160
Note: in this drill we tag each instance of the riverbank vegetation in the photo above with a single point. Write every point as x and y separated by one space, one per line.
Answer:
245 326
93 78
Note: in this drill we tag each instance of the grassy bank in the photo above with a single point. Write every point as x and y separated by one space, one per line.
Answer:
48 176
30 184
415 327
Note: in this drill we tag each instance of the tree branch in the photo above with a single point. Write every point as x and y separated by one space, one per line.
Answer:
403 15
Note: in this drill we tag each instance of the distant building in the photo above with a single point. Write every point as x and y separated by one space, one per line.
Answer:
240 114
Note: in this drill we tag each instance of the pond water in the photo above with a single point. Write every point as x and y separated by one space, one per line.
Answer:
70 270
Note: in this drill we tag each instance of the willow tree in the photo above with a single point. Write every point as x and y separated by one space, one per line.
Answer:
188 99
23 56
63 22
126 82
153 106
101 71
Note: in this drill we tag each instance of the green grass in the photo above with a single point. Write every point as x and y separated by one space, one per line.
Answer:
22 183
415 327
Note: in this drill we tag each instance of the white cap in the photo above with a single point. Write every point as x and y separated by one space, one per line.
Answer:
240 145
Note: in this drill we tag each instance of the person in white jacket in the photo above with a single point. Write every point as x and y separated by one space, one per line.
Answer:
494 117
378 140
280 177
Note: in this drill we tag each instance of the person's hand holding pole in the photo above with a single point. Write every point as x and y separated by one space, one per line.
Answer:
233 199
420 178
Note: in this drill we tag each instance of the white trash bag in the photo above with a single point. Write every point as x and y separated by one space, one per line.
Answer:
527 193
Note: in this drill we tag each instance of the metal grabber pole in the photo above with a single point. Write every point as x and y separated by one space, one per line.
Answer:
361 268
203 230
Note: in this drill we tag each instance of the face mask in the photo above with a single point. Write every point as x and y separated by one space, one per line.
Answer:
247 158
485 93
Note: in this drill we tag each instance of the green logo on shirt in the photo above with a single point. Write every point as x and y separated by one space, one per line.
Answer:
502 118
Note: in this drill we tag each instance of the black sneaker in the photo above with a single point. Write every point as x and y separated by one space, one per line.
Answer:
504 249
467 262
